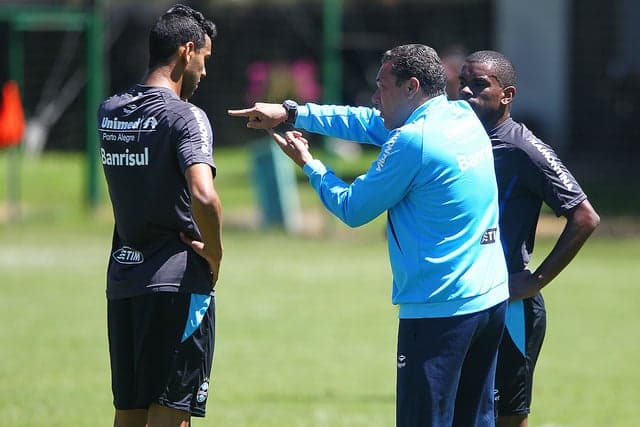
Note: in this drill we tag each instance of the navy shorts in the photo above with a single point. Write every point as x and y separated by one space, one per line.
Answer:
446 369
514 373
161 350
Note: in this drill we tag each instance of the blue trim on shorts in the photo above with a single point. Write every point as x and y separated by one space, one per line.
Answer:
515 311
515 324
197 309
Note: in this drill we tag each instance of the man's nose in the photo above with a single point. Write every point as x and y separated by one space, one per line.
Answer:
465 92
375 98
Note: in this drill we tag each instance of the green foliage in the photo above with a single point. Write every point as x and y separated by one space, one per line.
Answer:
613 196
305 334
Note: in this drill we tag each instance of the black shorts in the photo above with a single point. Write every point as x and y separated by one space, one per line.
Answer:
514 373
161 350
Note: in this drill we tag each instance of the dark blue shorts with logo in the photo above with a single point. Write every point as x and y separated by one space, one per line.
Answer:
161 350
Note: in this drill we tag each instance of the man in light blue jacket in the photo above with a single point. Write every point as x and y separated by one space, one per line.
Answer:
435 178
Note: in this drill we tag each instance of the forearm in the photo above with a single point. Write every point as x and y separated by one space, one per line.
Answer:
560 256
359 124
335 194
338 197
207 212
580 224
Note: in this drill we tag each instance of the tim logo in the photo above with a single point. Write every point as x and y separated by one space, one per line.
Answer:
127 255
489 236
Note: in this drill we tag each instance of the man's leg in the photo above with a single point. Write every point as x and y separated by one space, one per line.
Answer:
161 416
121 330
512 421
156 416
474 401
130 418
431 352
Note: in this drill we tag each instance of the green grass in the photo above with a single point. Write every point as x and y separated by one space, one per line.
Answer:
305 332
588 374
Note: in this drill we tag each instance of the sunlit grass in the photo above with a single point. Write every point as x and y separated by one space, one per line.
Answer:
305 329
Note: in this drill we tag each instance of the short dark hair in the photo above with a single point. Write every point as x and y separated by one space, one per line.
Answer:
421 62
504 70
174 28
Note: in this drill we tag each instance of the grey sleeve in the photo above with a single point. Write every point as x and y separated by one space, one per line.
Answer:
194 137
550 178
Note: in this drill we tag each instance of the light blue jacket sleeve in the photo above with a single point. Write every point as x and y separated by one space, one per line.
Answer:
359 124
385 183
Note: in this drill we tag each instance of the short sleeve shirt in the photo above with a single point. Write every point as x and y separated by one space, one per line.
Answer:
528 172
148 138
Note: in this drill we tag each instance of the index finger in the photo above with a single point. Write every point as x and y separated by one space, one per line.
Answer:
241 113
278 138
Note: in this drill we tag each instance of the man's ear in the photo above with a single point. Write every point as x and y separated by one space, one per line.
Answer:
412 86
508 93
186 51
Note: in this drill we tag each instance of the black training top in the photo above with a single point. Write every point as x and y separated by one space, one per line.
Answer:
148 138
528 172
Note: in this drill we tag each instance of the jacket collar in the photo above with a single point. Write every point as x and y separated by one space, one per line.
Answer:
424 108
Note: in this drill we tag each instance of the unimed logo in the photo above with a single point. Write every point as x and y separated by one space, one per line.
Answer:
115 124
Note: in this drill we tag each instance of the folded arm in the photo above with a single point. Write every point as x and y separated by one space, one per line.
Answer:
581 221
381 187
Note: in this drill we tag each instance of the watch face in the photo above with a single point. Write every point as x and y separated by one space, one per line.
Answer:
292 110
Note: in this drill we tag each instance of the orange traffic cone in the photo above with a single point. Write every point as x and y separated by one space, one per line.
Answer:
11 115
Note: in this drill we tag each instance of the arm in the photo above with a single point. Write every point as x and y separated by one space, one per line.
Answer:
384 185
207 212
359 124
581 221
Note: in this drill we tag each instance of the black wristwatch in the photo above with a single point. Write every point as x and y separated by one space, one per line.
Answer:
292 110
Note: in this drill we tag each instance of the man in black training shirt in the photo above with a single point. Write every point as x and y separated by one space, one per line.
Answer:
156 151
528 173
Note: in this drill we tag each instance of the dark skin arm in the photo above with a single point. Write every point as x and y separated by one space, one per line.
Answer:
207 212
581 222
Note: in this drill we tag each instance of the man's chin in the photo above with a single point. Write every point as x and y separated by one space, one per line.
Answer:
473 104
384 121
186 96
387 125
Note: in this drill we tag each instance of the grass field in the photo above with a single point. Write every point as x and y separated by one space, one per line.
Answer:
306 333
